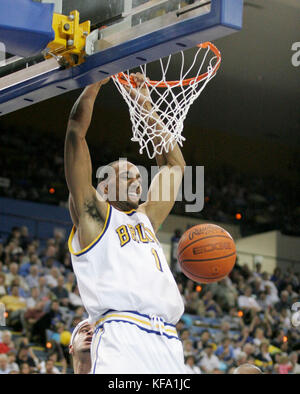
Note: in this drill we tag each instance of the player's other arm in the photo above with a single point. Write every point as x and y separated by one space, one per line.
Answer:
78 167
165 185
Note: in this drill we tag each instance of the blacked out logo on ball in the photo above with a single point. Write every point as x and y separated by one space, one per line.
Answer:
211 247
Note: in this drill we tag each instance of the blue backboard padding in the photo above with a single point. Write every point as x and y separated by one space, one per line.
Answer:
225 18
232 12
25 26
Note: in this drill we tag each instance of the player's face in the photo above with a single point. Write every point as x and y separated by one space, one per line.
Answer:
83 339
128 183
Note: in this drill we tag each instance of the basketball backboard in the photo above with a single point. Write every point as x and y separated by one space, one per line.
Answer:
125 34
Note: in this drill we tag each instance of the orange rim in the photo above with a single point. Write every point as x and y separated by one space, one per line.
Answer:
123 79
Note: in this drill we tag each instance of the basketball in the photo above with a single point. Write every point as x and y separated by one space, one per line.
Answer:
206 253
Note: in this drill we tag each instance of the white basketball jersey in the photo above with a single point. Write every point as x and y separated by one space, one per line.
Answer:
125 269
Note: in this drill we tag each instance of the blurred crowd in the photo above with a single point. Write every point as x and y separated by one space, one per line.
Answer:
245 318
35 172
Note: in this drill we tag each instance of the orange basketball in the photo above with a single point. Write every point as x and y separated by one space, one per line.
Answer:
206 253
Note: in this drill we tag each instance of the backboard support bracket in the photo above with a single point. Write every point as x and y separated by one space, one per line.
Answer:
188 30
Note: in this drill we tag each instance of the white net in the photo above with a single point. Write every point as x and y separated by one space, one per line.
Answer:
158 108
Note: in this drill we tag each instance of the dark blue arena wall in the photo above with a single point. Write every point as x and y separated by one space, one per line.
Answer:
41 219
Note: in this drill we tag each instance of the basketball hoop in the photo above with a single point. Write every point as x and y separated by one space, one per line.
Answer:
159 128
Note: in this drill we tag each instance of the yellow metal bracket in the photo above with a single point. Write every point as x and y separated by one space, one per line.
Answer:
70 37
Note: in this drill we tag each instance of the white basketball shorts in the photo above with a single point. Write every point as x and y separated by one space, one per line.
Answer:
133 343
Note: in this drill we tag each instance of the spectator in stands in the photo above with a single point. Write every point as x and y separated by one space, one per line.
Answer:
283 303
247 302
13 274
259 336
32 278
52 278
245 337
256 286
257 272
225 352
49 260
74 297
70 281
25 238
26 355
48 367
188 348
60 291
226 294
189 288
194 304
47 321
205 339
294 363
26 266
15 234
67 263
185 335
212 309
191 367
6 344
14 305
45 292
13 366
263 359
276 277
235 319
292 294
284 366
59 242
285 318
241 359
271 297
32 315
262 300
279 338
249 349
34 297
25 369
224 332
2 285
209 361
4 367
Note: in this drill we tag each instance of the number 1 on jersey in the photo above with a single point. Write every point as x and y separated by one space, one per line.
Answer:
157 260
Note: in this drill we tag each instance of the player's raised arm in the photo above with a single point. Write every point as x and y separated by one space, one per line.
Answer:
165 185
78 168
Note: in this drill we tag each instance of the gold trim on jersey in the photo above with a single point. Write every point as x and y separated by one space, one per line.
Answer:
86 249
142 321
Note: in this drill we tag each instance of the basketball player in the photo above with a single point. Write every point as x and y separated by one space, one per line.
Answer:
123 277
80 347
